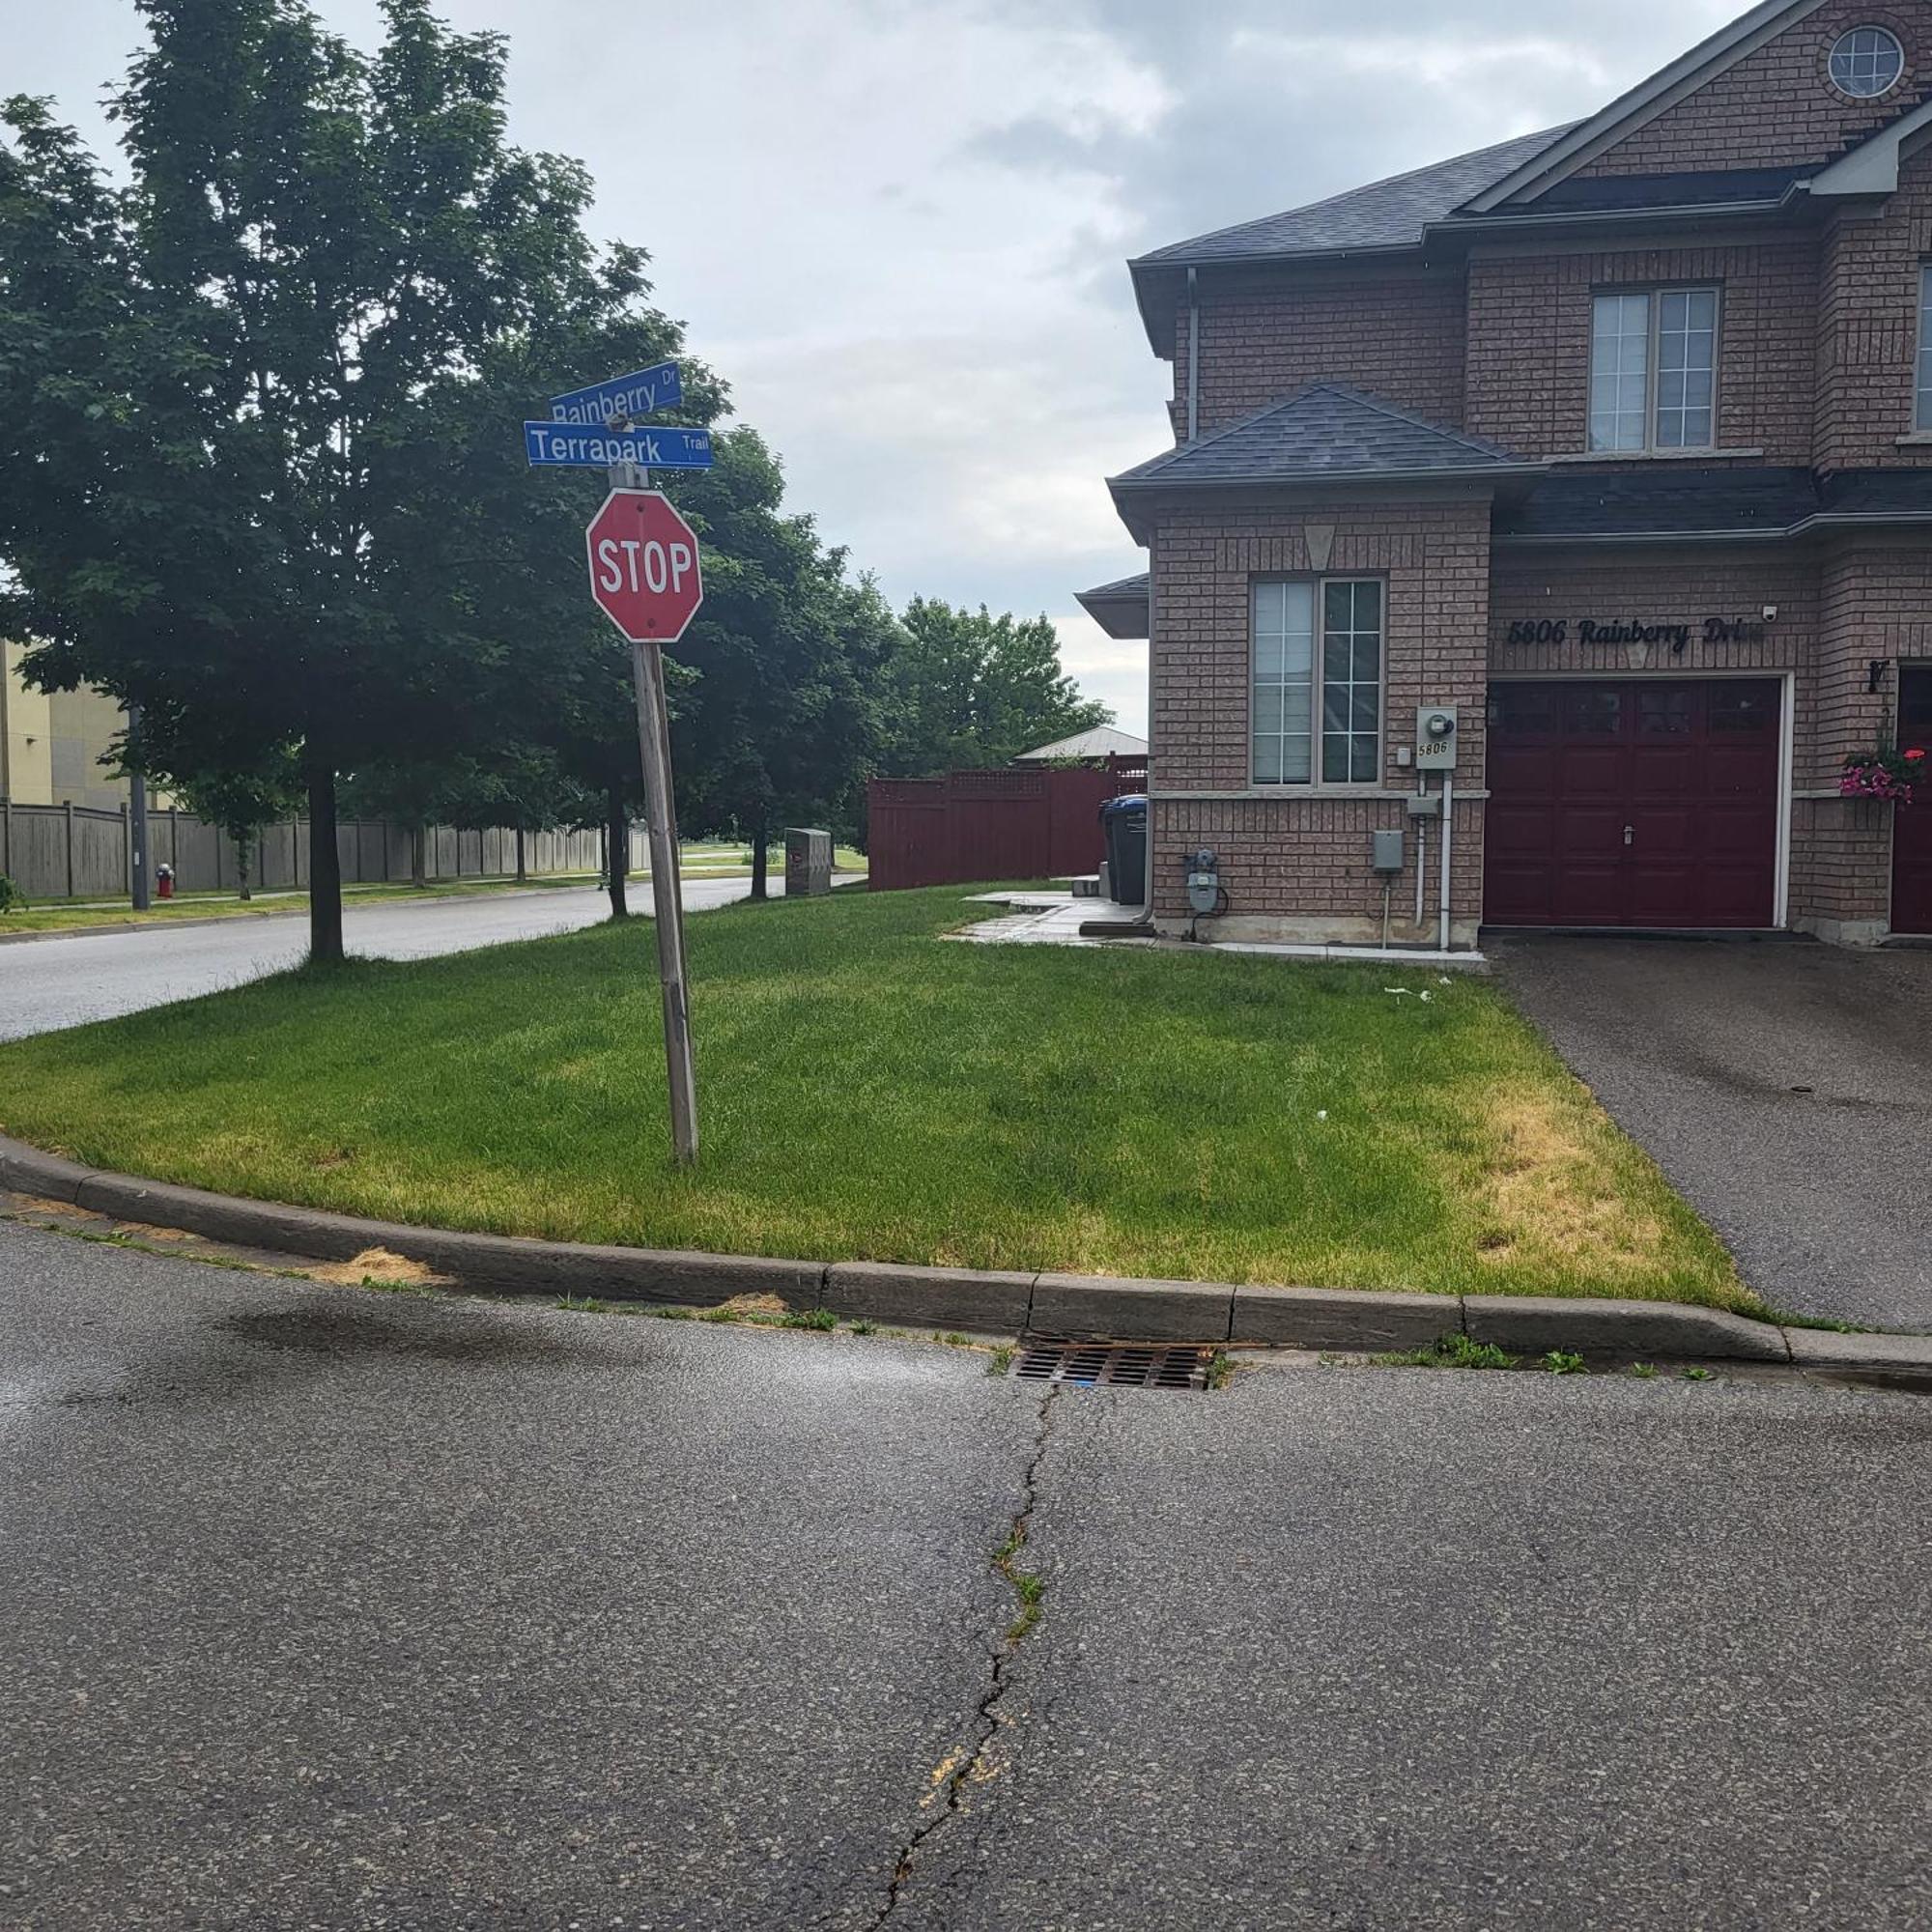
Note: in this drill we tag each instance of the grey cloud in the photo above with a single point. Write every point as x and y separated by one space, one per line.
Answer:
1253 129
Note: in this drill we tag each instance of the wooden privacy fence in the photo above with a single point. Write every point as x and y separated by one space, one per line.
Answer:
75 851
971 827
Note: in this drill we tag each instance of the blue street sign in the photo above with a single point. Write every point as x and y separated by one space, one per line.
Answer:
623 400
593 448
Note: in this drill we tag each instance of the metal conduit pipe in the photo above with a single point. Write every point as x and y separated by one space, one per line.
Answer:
1448 808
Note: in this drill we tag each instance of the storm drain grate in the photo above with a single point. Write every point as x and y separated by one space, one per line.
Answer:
1120 1364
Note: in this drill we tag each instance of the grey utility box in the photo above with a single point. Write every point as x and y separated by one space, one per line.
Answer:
1388 853
807 864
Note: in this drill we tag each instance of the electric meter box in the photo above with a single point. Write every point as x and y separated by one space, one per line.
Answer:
1435 734
1388 852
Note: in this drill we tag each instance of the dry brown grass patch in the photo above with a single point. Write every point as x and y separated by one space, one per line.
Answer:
379 1265
1549 1188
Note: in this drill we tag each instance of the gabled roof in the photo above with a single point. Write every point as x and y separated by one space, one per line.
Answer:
1104 741
1323 434
1582 143
1388 214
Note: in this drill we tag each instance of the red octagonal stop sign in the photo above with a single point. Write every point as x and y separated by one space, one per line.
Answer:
644 566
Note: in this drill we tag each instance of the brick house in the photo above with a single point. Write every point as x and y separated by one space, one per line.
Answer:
1614 444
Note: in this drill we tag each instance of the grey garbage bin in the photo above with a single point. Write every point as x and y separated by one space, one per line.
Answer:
1124 821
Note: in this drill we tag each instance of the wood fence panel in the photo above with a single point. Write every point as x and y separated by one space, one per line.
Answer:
976 828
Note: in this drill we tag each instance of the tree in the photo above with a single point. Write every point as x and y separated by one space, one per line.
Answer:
220 492
241 803
969 690
777 715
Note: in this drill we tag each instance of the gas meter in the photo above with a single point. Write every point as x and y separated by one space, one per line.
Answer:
1204 884
1435 738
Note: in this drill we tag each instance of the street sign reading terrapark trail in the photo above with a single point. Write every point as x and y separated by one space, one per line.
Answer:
573 446
644 566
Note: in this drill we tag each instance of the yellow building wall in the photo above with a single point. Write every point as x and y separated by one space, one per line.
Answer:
26 736
51 745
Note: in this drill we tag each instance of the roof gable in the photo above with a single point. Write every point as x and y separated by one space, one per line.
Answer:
1758 87
1326 432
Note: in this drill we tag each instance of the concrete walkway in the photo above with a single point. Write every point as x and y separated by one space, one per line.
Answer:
1784 1088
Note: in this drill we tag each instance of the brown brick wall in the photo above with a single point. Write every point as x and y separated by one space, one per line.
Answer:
1868 328
1684 587
1397 335
1777 106
1306 857
1875 603
1305 862
1840 864
1528 385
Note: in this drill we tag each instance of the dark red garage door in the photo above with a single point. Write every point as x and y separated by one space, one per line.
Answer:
1640 803
1912 833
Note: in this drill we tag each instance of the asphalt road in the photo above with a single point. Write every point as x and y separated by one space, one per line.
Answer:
64 982
321 1607
1785 1089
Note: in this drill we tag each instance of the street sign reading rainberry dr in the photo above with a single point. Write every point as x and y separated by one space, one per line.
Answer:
644 566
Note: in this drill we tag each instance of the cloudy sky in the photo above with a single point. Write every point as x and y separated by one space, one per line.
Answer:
899 226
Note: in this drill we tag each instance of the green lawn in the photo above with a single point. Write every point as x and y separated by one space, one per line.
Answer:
869 1091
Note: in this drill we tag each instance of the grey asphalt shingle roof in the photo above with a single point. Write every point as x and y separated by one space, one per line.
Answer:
1385 215
1769 502
1120 587
1326 430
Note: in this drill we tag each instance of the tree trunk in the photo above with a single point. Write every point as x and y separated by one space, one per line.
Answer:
241 866
762 837
325 869
522 875
617 844
419 854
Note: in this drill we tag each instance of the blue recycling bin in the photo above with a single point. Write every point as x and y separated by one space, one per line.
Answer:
1123 824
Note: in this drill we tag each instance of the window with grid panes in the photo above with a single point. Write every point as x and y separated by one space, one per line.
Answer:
1304 632
1654 371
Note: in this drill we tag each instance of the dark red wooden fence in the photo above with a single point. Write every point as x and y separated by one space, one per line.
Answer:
973 827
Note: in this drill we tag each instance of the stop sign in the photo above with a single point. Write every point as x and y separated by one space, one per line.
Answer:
644 566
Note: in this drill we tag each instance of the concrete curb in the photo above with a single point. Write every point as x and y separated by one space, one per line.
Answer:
1079 1307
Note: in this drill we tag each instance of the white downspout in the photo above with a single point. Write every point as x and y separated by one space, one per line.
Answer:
1448 810
1421 856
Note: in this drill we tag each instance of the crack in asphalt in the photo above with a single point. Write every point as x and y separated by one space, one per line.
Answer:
967 1767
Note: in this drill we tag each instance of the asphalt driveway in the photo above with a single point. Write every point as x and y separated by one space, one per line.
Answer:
1785 1089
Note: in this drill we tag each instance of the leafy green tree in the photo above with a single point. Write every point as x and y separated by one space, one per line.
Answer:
221 494
243 802
971 691
777 716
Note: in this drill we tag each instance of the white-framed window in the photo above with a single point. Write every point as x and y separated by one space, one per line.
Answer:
1654 370
1306 631
1921 414
1868 62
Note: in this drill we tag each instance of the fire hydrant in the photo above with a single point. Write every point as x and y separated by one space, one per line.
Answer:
164 881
